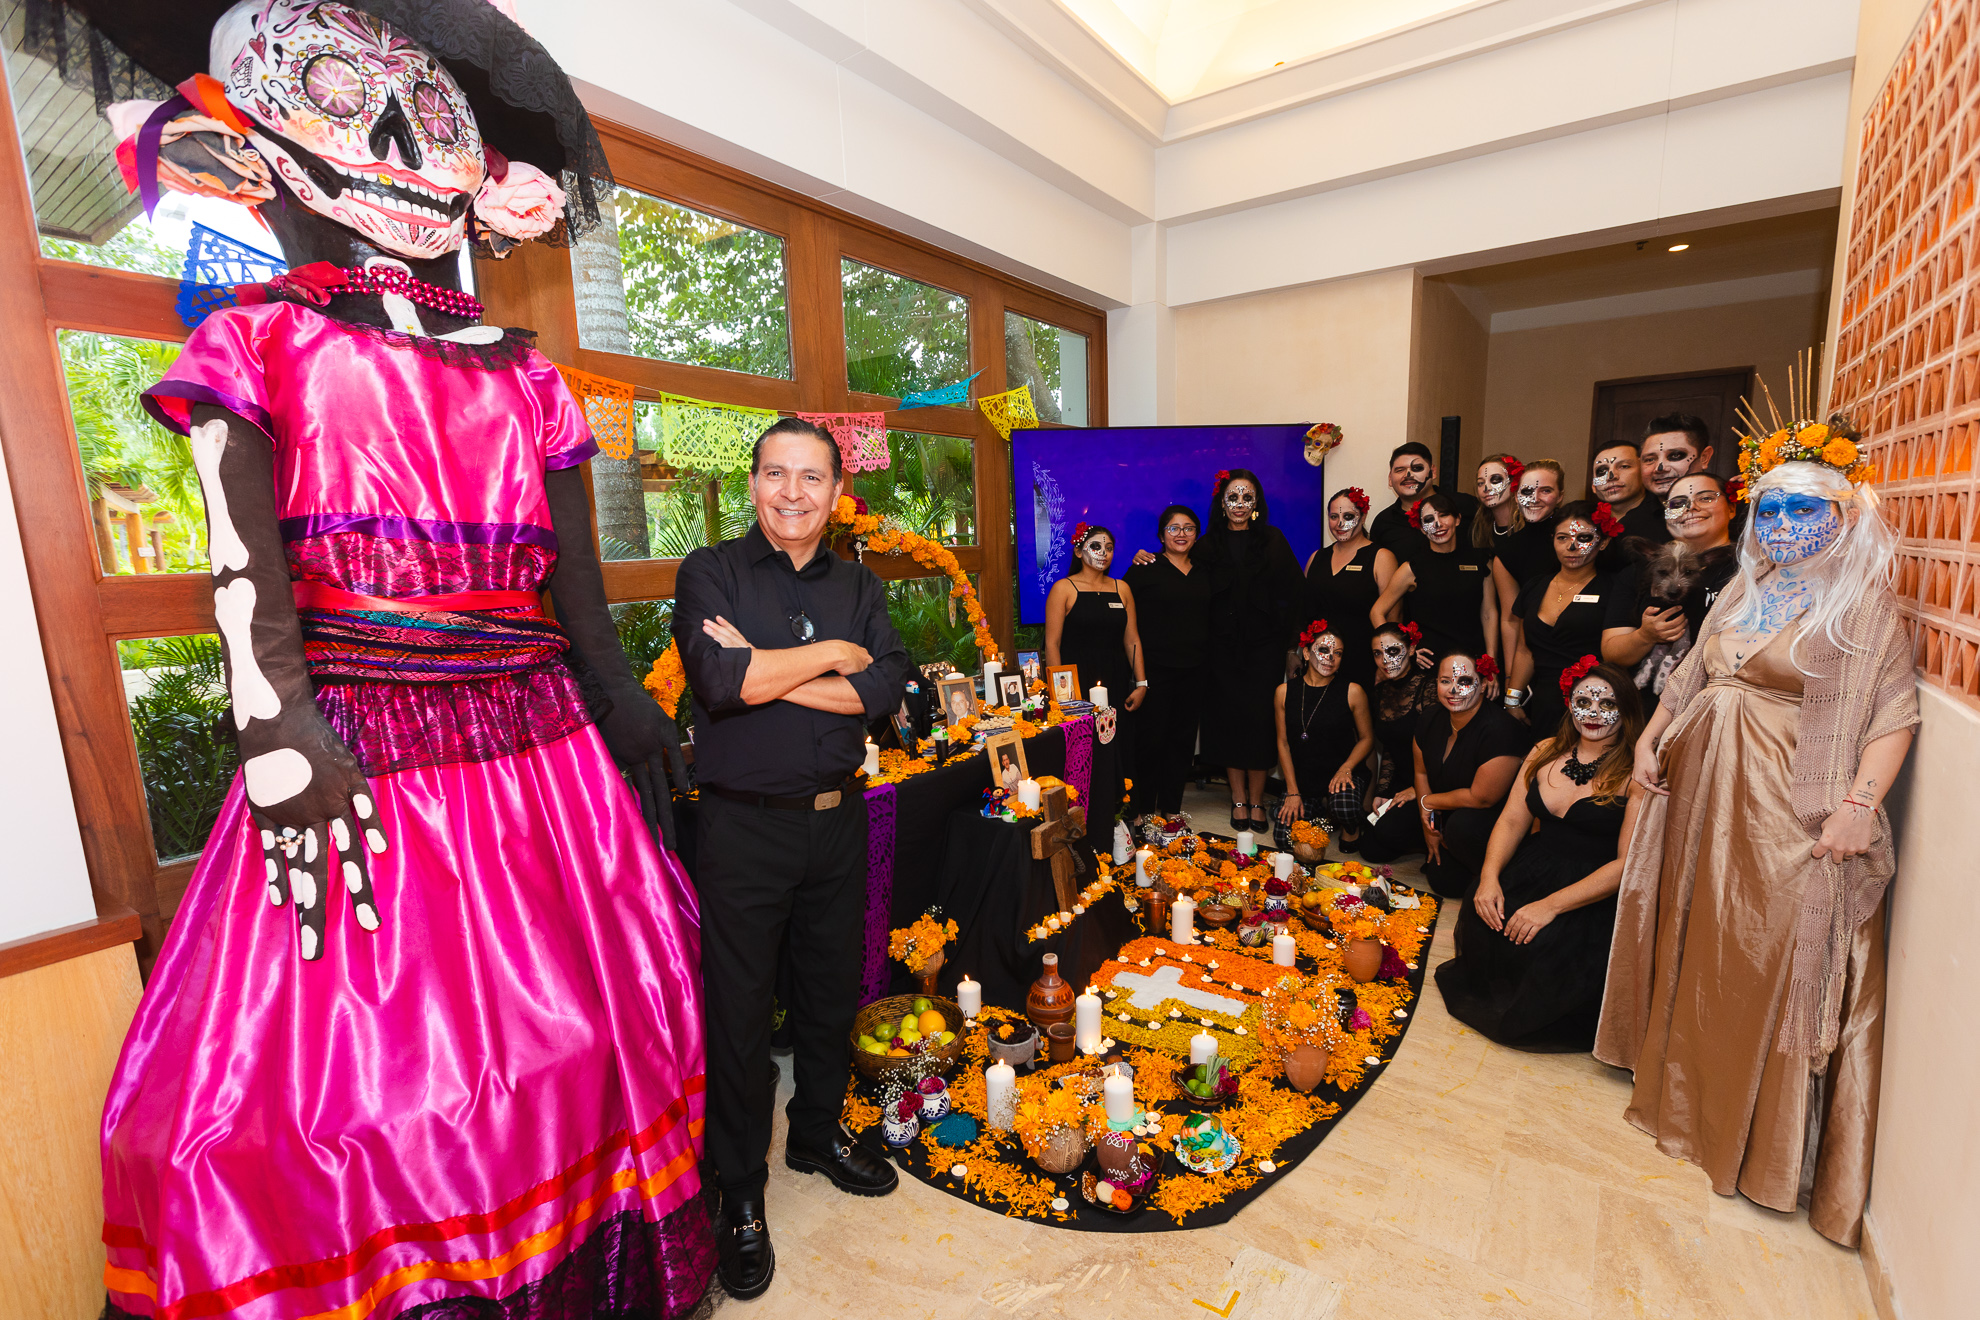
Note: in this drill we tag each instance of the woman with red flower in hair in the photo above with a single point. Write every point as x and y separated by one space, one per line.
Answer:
1346 578
1325 740
1445 584
1534 939
1558 618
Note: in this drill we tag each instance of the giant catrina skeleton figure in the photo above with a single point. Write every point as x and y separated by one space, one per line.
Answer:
425 1036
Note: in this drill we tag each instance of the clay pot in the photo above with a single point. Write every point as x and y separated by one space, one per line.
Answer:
924 980
1216 916
1305 1066
1362 959
1308 856
1017 1052
1051 999
1060 1151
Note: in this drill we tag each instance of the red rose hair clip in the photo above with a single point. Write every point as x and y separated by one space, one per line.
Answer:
1415 515
1488 668
1223 475
1358 498
1414 633
1577 671
1079 532
1605 521
1736 490
1312 631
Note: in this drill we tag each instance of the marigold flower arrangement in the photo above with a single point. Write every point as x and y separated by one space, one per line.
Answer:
1306 834
912 946
1352 919
667 680
849 517
1799 438
1044 1109
1304 1011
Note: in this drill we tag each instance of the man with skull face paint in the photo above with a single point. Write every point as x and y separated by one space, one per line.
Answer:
1617 481
1412 475
432 978
1746 980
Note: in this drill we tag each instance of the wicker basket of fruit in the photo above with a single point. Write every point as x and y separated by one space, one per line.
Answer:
904 1038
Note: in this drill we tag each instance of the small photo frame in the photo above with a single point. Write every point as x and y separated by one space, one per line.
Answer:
1007 767
904 728
1031 666
1010 690
955 697
1064 682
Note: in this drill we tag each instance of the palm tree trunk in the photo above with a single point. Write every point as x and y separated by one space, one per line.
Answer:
616 488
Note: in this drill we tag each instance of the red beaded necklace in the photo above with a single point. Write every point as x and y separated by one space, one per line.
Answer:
315 282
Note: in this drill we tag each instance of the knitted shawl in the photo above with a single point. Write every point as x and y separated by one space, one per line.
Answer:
1849 700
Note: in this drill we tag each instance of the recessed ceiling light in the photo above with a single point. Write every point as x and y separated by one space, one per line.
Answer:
1679 247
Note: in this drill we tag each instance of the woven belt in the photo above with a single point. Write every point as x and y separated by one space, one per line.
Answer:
322 596
825 801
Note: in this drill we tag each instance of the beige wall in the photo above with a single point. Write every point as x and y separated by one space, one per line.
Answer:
1924 1215
1540 390
1335 352
1448 377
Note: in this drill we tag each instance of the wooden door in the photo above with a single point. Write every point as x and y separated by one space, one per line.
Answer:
1623 408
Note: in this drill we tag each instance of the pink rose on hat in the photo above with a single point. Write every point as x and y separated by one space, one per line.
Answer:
517 200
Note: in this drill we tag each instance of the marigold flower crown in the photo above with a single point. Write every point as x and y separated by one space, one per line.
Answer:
1798 438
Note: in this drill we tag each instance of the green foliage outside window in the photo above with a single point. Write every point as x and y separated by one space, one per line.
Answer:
186 760
702 290
120 445
901 335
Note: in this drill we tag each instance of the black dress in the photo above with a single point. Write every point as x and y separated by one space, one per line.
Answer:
1545 994
1670 576
1257 592
1094 637
1344 600
1528 551
1396 708
1448 597
1320 733
1489 734
1557 645
1391 529
1172 612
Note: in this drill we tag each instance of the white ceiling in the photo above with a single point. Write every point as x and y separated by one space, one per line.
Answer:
1189 48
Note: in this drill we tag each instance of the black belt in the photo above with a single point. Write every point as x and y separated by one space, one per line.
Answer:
824 800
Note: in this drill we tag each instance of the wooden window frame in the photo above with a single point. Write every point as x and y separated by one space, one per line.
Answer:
82 611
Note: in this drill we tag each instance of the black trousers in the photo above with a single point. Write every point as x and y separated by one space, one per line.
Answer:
762 872
1165 737
1466 832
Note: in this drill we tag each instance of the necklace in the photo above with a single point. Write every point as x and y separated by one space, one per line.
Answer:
1306 717
1502 531
315 282
1579 771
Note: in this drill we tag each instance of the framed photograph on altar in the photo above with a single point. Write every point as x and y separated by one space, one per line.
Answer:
1010 690
904 727
1006 753
1064 682
956 698
1031 666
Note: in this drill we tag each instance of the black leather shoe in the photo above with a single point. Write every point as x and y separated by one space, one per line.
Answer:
848 1164
743 1240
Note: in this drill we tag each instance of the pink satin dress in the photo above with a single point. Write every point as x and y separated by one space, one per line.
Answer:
498 1093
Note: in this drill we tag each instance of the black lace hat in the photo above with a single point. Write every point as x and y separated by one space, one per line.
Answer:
523 101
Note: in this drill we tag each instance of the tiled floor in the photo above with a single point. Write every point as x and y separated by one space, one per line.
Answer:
1471 1181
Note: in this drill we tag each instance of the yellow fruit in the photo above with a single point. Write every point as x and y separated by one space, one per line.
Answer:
909 1036
931 1023
948 1036
874 1047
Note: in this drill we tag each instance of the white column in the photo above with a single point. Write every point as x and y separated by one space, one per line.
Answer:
1141 340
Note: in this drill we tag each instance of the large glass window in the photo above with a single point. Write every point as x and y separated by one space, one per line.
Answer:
930 486
144 498
1050 360
176 693
901 335
647 510
662 281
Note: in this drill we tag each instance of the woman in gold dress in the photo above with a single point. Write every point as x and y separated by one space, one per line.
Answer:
1746 981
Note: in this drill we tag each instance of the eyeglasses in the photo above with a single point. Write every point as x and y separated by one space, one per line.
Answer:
801 627
1704 499
1177 529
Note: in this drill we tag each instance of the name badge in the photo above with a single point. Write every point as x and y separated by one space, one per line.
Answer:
1115 605
1467 568
1353 568
1588 600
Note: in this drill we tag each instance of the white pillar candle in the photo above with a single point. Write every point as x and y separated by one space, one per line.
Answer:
1000 1095
1097 694
1119 1093
1182 919
1144 867
1123 843
1202 1048
991 669
969 997
1282 865
1247 844
872 766
1283 949
1028 793
1086 1022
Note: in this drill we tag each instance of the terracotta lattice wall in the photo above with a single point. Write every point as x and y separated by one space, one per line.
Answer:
1908 349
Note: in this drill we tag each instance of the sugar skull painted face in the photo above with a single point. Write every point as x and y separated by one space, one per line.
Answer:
1438 527
1391 655
360 124
1697 510
1618 476
1792 527
1667 456
1458 685
1325 654
1576 542
1595 709
1240 500
1343 518
1494 485
1539 494
1408 475
1097 551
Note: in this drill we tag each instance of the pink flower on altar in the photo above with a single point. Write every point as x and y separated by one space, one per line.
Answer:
522 204
1360 1021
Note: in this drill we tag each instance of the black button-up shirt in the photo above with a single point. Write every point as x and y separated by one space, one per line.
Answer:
780 749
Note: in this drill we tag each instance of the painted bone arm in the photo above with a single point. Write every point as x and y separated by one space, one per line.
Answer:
308 796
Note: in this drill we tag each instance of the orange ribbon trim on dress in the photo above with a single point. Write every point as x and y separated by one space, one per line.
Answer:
322 596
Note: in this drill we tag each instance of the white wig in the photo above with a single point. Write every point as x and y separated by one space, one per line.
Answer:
1859 561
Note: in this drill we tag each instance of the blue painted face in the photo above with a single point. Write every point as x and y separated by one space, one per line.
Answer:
1792 527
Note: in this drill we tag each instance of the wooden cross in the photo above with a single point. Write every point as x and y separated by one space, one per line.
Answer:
1063 826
